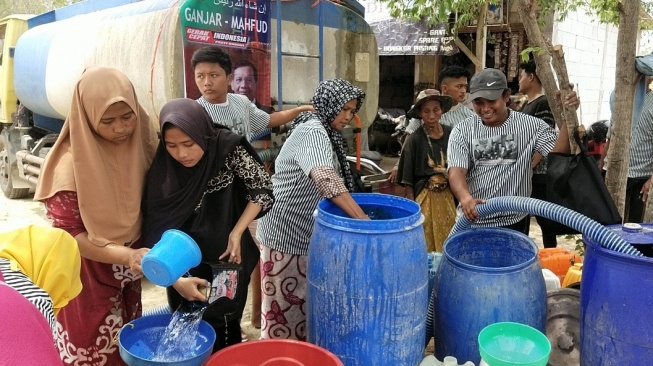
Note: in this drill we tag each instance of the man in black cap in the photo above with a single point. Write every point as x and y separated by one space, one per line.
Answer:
474 179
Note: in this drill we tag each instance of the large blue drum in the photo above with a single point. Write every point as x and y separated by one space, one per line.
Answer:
367 282
487 275
616 295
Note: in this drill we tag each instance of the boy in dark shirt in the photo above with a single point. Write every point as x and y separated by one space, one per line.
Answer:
538 106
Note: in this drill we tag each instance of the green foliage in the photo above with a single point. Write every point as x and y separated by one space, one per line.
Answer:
8 7
580 246
436 11
525 54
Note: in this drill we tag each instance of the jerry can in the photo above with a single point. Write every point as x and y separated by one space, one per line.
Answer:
558 260
573 274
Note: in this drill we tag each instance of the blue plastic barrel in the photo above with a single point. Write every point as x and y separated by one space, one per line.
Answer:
367 282
616 296
487 275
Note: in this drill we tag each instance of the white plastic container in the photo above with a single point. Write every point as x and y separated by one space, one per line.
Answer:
551 279
430 360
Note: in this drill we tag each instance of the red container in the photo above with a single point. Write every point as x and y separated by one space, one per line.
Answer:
274 352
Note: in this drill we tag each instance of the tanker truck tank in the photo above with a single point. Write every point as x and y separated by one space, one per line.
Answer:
144 40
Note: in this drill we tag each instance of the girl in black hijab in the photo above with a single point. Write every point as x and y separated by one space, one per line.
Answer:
209 183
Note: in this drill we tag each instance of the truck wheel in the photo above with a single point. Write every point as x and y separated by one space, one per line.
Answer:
5 174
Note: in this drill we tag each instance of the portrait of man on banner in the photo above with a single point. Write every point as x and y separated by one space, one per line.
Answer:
242 29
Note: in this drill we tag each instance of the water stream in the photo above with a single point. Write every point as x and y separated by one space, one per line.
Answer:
179 340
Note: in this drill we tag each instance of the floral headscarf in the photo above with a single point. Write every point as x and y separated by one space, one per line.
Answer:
328 100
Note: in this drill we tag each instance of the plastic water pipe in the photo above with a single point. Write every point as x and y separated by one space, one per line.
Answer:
261 134
593 230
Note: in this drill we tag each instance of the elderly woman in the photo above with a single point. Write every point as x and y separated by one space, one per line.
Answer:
423 167
311 165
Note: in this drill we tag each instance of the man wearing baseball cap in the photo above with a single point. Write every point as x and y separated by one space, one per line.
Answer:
505 168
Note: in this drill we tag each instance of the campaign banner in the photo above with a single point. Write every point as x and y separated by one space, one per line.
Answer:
239 27
404 37
400 37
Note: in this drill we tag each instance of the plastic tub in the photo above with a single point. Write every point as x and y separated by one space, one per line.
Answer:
487 275
513 344
368 283
274 352
139 339
616 296
563 327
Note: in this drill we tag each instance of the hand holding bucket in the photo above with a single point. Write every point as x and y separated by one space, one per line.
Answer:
171 257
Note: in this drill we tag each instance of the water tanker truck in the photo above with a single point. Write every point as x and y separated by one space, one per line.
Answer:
43 56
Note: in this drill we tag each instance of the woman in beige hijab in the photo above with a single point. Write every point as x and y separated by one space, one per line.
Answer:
91 184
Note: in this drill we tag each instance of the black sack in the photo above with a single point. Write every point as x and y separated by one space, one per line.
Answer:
574 182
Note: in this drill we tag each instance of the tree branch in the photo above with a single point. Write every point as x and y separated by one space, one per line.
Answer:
545 71
560 67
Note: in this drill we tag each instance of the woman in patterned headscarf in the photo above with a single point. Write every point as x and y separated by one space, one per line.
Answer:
312 165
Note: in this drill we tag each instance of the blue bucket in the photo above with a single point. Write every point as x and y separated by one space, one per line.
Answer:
487 275
367 283
139 339
616 296
170 258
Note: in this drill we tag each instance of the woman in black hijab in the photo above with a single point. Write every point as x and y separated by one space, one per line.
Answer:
209 183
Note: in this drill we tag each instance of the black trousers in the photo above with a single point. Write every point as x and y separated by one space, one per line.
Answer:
522 226
227 335
539 191
634 209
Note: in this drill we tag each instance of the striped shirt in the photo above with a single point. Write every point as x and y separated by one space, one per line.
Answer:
239 114
641 146
456 114
288 226
34 294
498 159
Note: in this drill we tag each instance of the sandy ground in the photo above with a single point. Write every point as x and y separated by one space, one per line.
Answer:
17 213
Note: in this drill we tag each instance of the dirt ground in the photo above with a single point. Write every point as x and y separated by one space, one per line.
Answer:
16 213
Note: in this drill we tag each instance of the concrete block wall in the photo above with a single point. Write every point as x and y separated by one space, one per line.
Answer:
590 51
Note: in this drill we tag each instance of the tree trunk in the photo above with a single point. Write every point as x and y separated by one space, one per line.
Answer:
622 117
480 37
563 116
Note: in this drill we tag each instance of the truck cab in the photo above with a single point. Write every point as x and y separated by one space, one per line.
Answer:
11 28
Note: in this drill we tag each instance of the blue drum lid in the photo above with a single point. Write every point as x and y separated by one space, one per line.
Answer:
634 233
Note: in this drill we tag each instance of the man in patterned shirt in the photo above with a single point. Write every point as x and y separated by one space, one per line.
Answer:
474 180
212 68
